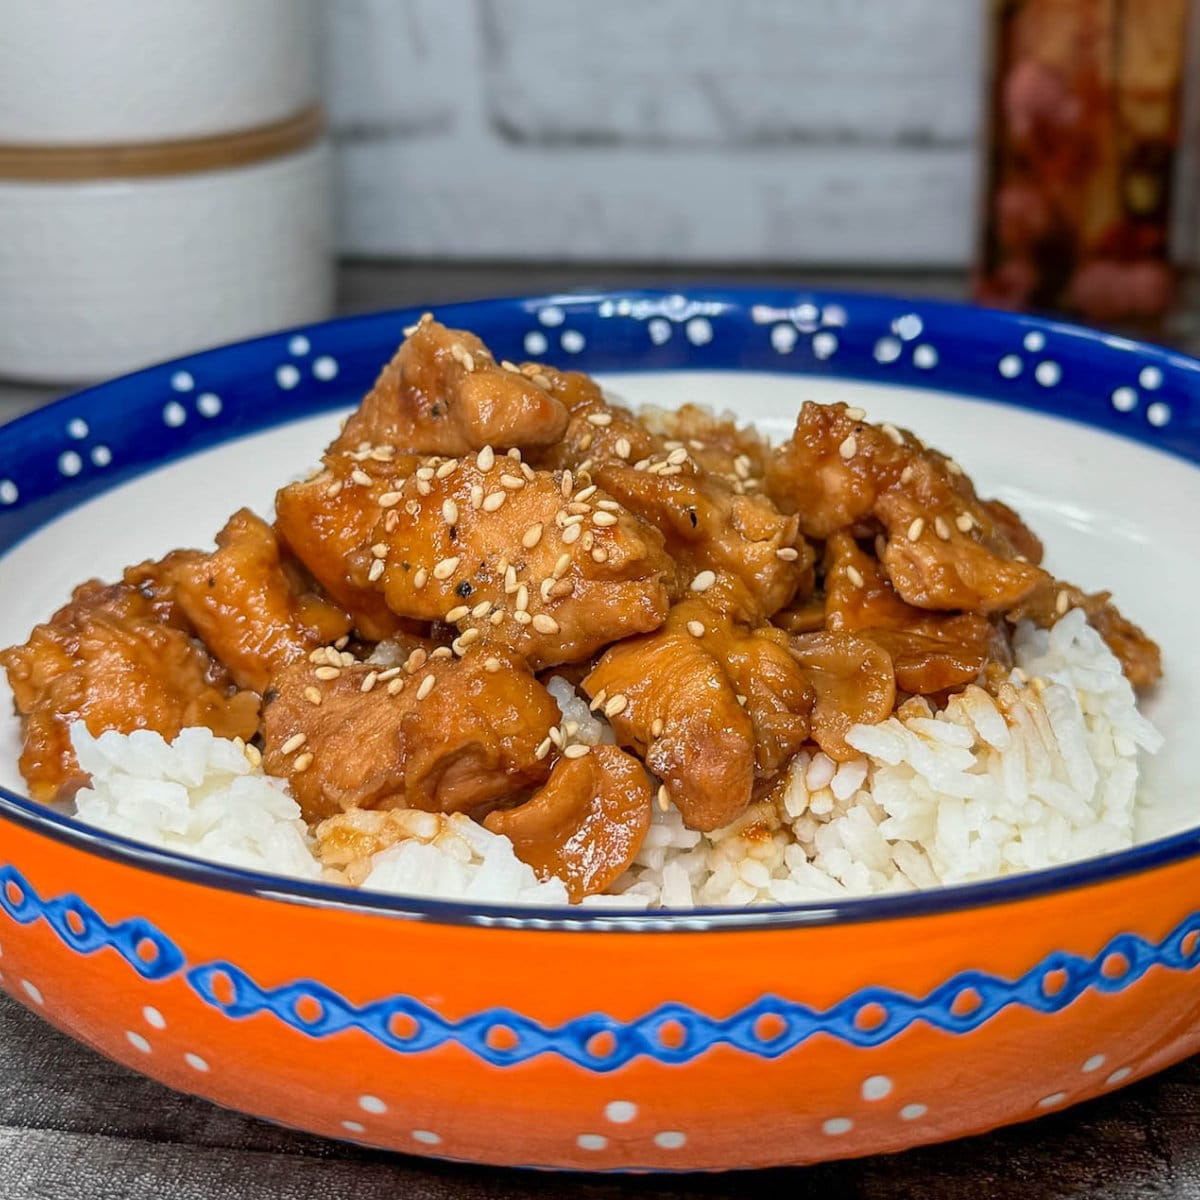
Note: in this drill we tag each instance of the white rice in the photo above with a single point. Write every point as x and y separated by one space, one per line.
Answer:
1044 772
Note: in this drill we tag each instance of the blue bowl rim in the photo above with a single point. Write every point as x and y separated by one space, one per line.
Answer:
1029 886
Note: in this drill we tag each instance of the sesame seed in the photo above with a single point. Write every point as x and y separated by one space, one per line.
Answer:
326 673
600 418
426 687
892 432
334 489
570 535
907 474
555 736
521 603
547 585
369 681
849 448
616 705
564 587
964 522
510 579
663 798
450 512
482 609
585 493
916 529
424 487
493 501
703 581
514 452
411 507
496 617
599 555
253 755
377 569
578 508
941 528
604 518
741 699
576 750
787 553
696 629
598 699
342 660
656 727
442 652
293 743
476 495
855 413
543 749
522 617
1062 602
485 459
447 468
456 351
562 565
446 568
608 505
544 623
416 660
317 655
855 576
468 361
491 665
676 457
302 762
532 536
742 466
512 482
566 486
623 448
953 467
342 642
468 637
541 381
382 454
420 578
510 366
528 472
312 695
395 687
456 614
380 549
391 522
389 674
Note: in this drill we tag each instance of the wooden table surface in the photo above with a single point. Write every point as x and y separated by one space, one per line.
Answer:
74 1126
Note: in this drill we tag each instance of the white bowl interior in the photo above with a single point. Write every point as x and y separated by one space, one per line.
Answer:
1114 515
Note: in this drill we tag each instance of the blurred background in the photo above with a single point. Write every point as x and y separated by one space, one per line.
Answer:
175 174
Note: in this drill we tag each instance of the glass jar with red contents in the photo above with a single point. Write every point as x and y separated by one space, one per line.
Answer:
1087 104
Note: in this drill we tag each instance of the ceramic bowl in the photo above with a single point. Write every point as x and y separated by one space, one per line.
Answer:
568 1039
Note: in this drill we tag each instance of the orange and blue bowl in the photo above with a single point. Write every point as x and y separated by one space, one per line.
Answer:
596 1040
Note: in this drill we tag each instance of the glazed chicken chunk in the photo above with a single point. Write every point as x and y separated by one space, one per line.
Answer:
107 659
443 393
435 733
507 556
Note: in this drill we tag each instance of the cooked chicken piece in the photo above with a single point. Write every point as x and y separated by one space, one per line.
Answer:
708 705
155 579
740 551
253 610
598 430
328 522
439 733
945 549
854 683
736 453
1140 657
108 660
708 521
586 824
930 652
443 393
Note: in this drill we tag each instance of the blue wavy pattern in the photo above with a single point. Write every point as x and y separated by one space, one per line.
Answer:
151 953
672 1033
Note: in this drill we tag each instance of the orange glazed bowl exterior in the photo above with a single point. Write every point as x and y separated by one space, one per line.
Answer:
604 1043
595 1039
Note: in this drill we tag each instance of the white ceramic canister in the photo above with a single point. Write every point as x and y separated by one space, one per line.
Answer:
164 185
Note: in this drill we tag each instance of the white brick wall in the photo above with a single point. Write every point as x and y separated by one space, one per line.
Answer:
836 132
